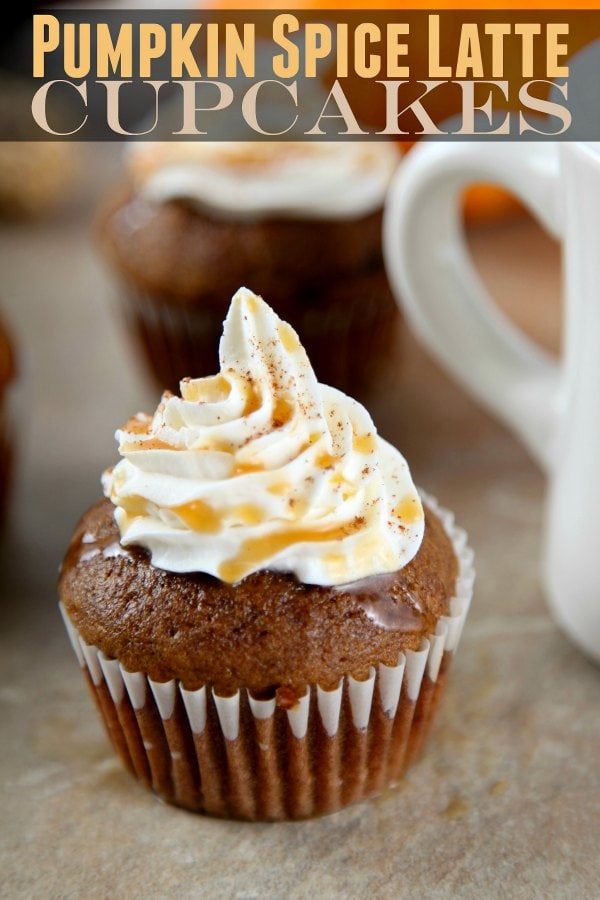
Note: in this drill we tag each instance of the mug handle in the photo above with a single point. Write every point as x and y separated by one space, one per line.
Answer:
444 299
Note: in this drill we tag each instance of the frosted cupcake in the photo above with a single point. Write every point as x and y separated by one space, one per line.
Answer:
300 222
263 606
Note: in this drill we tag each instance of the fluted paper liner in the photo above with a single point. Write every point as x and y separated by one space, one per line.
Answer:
245 758
173 338
177 338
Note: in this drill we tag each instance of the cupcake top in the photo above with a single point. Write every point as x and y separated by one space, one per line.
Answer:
262 468
267 631
324 180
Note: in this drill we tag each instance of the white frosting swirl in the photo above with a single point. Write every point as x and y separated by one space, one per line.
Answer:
262 467
255 180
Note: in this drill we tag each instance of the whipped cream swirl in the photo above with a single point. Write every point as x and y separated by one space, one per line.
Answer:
262 467
254 180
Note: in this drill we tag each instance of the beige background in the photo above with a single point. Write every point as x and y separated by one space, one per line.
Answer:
504 802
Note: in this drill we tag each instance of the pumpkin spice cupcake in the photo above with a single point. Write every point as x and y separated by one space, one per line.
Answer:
300 222
264 608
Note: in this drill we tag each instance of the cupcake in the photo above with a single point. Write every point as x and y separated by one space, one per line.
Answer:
263 606
300 222
7 373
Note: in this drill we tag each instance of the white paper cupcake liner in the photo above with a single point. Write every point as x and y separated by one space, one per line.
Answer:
246 758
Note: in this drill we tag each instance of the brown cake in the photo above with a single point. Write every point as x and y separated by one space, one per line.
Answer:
268 631
180 249
264 609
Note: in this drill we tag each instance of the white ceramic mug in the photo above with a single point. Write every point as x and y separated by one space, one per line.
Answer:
553 407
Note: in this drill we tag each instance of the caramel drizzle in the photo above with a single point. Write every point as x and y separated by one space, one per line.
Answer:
257 550
409 510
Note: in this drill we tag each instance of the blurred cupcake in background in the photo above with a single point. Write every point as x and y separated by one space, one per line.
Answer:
7 374
35 177
297 222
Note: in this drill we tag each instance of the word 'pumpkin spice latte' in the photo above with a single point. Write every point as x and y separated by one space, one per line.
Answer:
263 579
